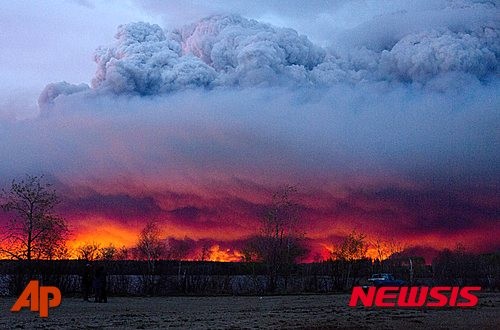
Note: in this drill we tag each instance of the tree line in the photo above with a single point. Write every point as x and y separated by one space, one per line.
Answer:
34 231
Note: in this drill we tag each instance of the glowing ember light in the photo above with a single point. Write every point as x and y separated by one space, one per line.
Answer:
225 255
104 235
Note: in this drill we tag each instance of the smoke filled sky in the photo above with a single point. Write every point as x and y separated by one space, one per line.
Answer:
385 115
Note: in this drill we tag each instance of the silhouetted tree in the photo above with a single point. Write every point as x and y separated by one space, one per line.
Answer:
88 251
353 247
385 249
280 242
94 251
151 248
349 253
108 253
34 231
123 253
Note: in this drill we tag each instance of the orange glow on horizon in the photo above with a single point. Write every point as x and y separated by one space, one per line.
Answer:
226 238
328 249
224 255
104 235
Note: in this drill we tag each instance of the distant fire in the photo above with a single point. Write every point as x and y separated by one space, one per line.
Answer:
225 255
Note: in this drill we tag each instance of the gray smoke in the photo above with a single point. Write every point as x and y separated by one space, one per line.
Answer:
403 105
458 42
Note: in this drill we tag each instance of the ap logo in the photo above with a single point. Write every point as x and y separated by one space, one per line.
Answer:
36 297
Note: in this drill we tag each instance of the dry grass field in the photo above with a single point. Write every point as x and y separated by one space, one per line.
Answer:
305 311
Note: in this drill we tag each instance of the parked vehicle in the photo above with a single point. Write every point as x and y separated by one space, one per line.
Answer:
385 279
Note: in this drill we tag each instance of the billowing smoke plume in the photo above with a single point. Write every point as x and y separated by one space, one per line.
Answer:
231 51
392 129
51 91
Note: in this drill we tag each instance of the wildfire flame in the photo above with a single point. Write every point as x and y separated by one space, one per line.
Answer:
215 253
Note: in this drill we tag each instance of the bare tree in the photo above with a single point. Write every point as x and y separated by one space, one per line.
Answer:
108 252
385 249
388 253
150 246
57 250
88 251
280 242
34 231
122 253
94 251
352 249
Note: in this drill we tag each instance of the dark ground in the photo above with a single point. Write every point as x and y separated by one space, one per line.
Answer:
306 311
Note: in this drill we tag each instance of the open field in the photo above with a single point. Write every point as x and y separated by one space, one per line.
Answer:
311 311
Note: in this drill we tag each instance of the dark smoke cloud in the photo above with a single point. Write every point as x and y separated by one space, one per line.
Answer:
230 51
198 125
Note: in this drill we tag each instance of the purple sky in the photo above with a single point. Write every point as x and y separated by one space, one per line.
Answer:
383 113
